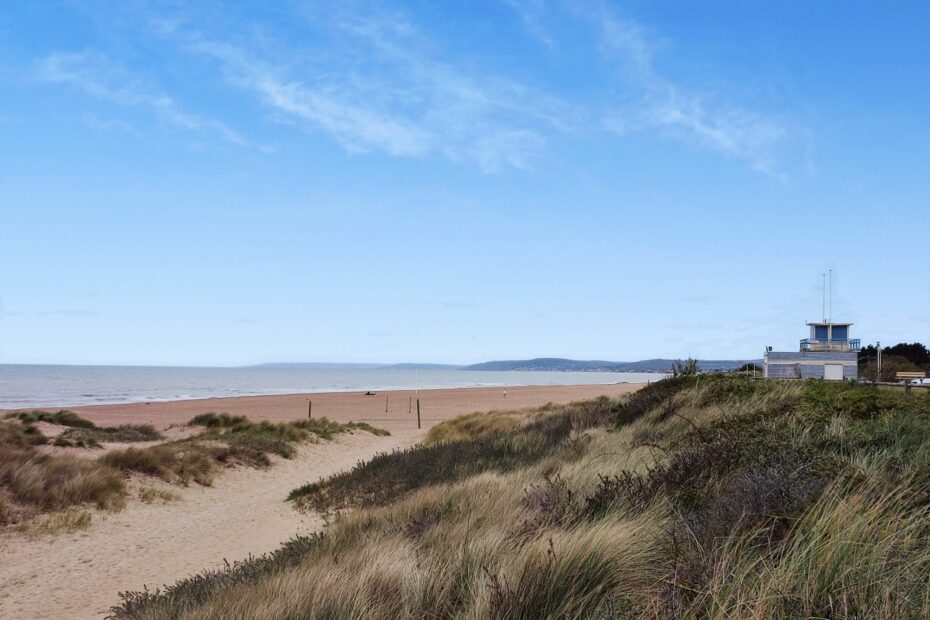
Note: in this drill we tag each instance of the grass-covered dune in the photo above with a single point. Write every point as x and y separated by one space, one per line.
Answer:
697 497
33 481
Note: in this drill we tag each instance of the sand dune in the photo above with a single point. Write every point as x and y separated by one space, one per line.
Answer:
78 575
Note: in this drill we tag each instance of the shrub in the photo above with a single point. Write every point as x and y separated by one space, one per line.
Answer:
688 368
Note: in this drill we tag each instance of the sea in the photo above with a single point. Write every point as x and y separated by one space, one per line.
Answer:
29 386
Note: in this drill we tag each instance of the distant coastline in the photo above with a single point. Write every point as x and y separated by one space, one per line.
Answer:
539 364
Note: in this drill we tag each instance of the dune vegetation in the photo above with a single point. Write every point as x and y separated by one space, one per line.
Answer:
697 497
34 480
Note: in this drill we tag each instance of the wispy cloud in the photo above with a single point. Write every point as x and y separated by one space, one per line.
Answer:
529 12
373 79
96 75
700 117
392 96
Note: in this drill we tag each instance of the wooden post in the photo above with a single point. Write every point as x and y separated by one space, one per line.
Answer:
386 403
418 413
410 405
310 409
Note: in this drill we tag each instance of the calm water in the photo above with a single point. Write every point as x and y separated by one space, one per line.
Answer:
25 386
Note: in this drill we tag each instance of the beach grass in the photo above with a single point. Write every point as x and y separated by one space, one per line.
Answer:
62 417
34 482
65 521
697 497
151 495
480 423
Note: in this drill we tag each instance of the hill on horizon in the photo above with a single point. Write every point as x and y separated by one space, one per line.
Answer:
539 364
570 365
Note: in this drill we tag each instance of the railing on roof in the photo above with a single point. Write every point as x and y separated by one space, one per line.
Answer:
832 344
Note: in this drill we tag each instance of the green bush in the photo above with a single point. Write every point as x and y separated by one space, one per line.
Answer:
62 417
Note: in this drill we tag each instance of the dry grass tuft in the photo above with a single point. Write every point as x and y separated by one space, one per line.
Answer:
47 482
150 495
180 462
66 521
477 424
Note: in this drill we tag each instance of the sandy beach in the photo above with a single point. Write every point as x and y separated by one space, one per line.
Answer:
79 574
393 410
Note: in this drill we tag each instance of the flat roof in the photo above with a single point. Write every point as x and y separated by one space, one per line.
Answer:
840 324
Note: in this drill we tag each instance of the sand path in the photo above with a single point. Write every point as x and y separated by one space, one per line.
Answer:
78 575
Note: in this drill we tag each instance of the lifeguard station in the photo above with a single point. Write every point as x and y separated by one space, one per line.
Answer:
829 353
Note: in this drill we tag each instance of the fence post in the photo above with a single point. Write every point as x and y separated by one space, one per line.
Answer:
418 413
309 409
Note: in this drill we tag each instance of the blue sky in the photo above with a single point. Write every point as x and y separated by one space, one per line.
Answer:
227 183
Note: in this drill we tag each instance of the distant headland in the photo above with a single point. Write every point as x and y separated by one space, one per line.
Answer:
539 364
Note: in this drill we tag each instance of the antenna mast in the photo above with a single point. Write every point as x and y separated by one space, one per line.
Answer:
823 297
830 307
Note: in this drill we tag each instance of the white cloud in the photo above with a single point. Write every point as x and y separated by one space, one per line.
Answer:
369 79
723 127
97 76
391 96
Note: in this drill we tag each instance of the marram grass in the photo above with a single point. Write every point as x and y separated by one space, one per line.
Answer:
697 497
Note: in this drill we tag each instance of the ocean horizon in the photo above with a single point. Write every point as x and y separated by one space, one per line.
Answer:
27 386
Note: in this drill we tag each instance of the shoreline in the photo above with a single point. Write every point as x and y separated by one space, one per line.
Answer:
347 390
390 409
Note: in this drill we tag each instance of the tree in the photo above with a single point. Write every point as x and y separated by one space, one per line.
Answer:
914 352
891 365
